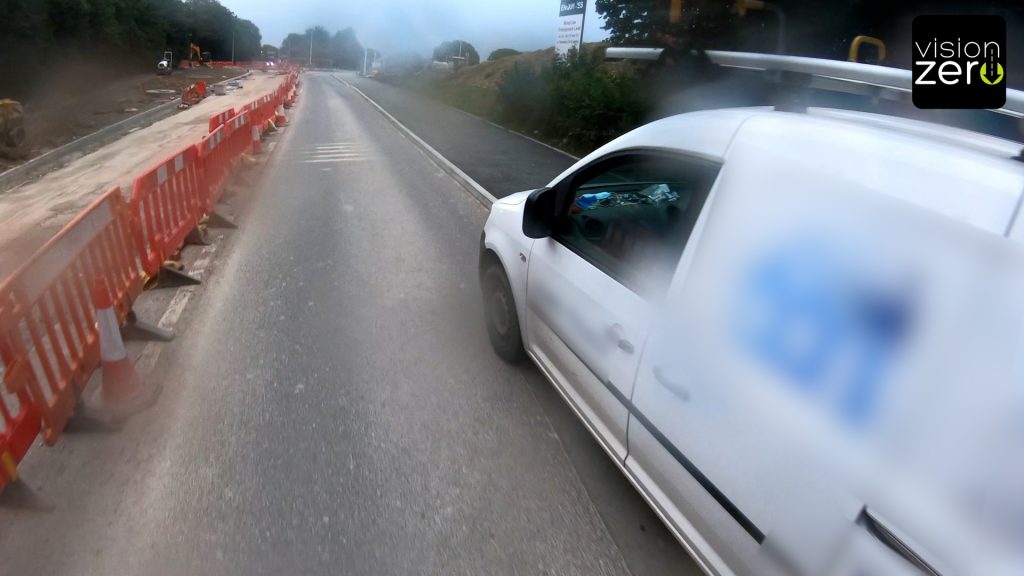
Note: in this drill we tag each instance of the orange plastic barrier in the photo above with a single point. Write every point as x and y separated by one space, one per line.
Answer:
261 111
19 425
48 338
166 207
239 135
217 160
219 119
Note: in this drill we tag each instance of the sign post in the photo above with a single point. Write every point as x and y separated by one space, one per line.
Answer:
570 26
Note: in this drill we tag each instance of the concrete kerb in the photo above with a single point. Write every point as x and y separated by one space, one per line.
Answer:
89 143
471 186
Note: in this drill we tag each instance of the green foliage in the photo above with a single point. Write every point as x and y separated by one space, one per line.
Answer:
37 33
576 102
454 48
524 98
342 50
502 53
629 22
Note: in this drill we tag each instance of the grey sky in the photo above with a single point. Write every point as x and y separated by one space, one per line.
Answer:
419 25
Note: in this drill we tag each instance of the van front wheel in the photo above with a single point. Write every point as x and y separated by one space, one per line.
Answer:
500 311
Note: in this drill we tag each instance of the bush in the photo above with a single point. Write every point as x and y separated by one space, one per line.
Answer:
577 102
502 53
523 98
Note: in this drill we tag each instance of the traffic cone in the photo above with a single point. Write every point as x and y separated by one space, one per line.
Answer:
281 119
122 393
257 143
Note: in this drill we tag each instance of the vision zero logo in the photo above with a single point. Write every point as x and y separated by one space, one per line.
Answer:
959 61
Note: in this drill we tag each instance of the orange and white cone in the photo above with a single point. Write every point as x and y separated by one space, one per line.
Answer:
122 392
281 119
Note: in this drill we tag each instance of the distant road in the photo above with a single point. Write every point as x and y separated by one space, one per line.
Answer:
500 161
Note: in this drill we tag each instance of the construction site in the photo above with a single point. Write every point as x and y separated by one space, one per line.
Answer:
31 211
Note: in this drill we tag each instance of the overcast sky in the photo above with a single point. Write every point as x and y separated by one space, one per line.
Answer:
418 25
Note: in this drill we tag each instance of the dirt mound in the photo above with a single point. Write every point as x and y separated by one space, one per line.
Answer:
489 74
78 98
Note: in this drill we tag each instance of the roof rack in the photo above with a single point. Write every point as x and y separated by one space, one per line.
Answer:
833 75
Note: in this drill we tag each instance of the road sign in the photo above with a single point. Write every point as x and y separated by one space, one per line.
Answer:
570 25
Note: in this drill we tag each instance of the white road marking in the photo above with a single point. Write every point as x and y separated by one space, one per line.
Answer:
321 161
151 351
335 155
481 193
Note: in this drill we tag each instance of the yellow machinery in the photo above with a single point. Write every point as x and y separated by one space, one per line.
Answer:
12 129
197 57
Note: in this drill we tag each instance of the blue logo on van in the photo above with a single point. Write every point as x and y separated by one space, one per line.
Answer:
808 316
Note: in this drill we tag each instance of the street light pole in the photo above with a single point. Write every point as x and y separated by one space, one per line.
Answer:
311 48
232 46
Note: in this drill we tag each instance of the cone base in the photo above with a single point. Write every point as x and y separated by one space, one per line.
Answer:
97 406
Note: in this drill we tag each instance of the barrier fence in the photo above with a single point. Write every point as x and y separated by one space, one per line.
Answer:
165 204
48 333
48 337
219 119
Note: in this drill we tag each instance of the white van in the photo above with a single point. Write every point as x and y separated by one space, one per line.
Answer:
797 334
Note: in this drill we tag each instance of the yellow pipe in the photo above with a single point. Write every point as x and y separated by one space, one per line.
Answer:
859 40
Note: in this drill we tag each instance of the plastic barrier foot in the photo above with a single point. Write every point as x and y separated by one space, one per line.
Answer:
197 237
136 329
170 277
217 220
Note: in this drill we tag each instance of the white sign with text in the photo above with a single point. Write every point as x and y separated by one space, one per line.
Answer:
570 25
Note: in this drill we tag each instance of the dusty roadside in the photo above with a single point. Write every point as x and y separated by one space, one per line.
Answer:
31 213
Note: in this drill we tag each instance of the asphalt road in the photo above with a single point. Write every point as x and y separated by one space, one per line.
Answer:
501 161
332 406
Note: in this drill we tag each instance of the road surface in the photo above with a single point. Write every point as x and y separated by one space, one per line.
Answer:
501 161
331 404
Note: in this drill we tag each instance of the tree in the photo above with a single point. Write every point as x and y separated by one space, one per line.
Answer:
340 50
345 50
629 22
502 53
453 48
247 41
648 23
36 34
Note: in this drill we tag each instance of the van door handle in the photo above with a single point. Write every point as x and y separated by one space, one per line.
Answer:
886 536
675 388
619 335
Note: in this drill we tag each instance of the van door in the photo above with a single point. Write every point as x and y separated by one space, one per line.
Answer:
592 284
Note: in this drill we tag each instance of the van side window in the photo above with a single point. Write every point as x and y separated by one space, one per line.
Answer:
631 215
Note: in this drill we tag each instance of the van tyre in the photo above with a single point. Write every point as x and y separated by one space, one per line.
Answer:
500 312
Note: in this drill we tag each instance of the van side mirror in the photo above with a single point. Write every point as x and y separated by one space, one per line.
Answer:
540 213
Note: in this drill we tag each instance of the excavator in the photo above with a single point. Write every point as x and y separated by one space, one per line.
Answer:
197 57
12 130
